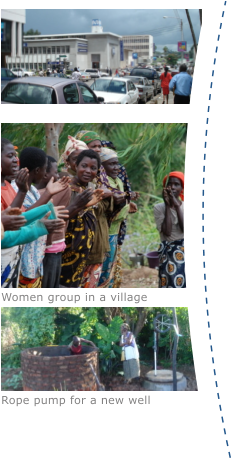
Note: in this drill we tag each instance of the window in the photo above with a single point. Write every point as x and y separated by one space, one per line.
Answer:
22 65
27 93
53 49
10 65
39 49
58 49
71 94
44 50
87 95
67 49
63 50
35 65
35 49
26 50
26 65
31 50
49 50
44 65
9 73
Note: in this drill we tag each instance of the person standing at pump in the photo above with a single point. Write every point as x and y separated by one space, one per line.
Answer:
182 85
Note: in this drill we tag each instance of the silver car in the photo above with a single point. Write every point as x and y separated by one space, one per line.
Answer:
144 86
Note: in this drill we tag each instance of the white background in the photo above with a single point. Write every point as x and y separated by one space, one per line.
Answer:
183 427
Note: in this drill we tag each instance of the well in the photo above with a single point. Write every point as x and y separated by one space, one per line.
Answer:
53 368
162 380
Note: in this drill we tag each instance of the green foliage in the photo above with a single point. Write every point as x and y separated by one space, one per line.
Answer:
107 338
172 59
32 32
13 383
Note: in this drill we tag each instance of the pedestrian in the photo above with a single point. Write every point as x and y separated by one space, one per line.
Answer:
165 80
110 72
76 74
181 84
117 73
130 354
107 70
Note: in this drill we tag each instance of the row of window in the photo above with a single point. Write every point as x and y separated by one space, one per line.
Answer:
135 41
48 50
140 47
28 66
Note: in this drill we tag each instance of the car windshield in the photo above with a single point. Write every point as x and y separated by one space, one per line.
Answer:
27 93
102 85
145 72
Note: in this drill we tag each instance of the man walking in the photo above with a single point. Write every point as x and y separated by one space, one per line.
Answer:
181 84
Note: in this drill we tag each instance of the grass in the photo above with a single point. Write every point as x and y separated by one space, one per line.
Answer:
142 235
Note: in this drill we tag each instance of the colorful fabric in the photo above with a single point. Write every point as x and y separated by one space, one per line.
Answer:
87 136
107 154
91 275
106 278
8 194
165 80
76 350
118 268
71 146
172 264
79 240
131 369
33 253
30 283
10 266
175 174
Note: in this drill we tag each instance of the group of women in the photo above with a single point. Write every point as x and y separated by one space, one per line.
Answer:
67 229
78 245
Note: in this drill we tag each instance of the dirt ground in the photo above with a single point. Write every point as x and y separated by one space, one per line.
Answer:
116 383
140 277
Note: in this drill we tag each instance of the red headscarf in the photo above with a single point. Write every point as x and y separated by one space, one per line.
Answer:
180 176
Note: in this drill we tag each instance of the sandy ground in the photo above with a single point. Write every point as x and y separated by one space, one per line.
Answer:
140 277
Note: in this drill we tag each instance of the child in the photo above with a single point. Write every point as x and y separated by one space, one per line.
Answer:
75 346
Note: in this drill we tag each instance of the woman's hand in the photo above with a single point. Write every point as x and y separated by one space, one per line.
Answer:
84 198
165 195
118 198
106 192
12 219
61 212
96 197
133 207
58 186
134 195
21 180
52 225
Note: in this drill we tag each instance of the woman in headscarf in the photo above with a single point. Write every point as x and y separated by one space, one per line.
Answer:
82 223
69 157
130 354
122 207
169 217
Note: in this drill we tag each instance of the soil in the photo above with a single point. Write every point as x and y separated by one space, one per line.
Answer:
116 383
140 277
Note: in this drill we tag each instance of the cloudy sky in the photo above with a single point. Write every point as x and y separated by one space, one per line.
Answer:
166 32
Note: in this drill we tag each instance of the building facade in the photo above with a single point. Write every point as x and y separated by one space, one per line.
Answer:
141 44
86 50
12 24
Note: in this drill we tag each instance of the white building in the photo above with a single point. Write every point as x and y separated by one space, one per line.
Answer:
96 49
141 44
12 22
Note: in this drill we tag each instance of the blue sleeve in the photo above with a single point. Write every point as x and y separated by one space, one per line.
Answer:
172 83
39 212
24 235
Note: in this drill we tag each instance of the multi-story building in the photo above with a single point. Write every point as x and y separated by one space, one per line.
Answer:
141 44
12 23
96 49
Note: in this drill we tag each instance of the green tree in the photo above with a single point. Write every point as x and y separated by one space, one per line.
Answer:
32 32
171 59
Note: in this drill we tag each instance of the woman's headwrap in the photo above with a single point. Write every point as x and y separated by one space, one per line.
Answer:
108 144
107 154
71 146
87 136
125 326
180 176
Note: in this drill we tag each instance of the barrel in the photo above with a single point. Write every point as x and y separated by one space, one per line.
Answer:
153 259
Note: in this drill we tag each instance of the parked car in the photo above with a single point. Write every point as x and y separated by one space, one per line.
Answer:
94 73
49 90
144 86
21 72
151 75
116 90
59 75
84 76
6 76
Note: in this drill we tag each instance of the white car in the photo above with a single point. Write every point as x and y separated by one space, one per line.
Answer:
94 73
116 90
21 72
